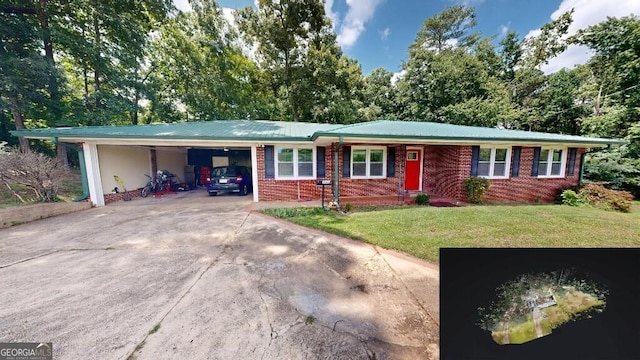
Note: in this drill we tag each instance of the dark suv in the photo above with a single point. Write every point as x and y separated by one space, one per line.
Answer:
233 178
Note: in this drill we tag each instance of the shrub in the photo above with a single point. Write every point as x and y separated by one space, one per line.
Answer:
348 207
599 196
476 189
422 199
37 172
572 198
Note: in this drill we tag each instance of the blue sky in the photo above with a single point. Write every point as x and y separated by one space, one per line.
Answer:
378 32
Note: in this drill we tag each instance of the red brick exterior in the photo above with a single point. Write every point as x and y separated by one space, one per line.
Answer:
445 167
113 197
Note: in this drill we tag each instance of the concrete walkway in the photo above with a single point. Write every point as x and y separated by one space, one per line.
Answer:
188 276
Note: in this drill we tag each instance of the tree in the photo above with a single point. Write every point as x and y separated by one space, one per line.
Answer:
447 29
378 96
199 73
292 36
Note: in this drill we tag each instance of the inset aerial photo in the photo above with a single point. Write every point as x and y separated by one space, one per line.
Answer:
549 303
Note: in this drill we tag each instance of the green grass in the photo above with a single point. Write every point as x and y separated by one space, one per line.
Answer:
523 332
422 231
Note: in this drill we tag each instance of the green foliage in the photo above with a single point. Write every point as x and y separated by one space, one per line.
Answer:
616 168
288 213
348 207
571 198
476 189
599 196
422 199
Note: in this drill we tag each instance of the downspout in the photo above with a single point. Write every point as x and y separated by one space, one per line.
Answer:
83 170
336 174
582 157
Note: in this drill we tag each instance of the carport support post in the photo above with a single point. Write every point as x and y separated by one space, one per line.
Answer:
93 174
254 171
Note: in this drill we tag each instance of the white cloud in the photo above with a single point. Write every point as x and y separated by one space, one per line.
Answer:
384 34
182 5
397 76
359 13
333 16
472 2
587 13
504 29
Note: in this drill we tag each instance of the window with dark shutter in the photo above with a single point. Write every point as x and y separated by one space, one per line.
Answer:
572 161
475 155
346 161
536 161
515 170
391 161
320 163
269 171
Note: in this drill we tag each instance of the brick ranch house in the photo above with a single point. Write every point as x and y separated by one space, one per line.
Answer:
367 163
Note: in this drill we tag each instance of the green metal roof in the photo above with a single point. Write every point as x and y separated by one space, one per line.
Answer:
409 130
262 130
208 130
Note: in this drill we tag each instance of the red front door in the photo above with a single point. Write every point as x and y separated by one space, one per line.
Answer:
413 169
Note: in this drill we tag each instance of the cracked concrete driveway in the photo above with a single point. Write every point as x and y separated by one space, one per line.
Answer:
220 281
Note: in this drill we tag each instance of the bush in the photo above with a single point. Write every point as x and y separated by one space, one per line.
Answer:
476 189
572 198
599 196
348 207
422 199
39 173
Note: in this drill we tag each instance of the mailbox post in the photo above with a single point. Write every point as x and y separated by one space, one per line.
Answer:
323 183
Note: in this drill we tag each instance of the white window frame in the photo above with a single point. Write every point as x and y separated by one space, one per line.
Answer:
492 162
563 161
295 163
368 162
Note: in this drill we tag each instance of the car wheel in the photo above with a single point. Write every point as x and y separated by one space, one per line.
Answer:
243 190
213 193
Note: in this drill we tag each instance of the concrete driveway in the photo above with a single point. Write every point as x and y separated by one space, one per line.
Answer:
188 276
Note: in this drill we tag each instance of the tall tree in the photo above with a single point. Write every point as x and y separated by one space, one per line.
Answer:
285 32
448 29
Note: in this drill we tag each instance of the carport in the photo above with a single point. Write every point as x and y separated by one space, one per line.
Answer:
104 159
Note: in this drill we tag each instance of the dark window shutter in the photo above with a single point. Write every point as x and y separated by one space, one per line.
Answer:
475 156
536 161
515 167
346 161
391 161
269 169
320 163
572 161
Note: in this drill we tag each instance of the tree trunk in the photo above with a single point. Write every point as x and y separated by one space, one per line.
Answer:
17 119
56 103
96 65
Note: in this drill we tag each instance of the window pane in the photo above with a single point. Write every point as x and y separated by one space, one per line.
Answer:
542 168
555 168
483 169
485 155
285 169
557 155
359 169
498 169
305 169
376 169
305 155
285 155
359 156
501 154
376 156
412 155
544 156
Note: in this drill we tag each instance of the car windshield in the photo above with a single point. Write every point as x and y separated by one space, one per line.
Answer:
225 171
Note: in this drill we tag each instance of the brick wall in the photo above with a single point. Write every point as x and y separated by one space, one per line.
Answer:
111 197
445 169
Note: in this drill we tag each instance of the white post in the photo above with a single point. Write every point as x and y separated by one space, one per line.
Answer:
93 174
254 172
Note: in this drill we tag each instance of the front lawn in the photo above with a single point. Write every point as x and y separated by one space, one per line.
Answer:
421 231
